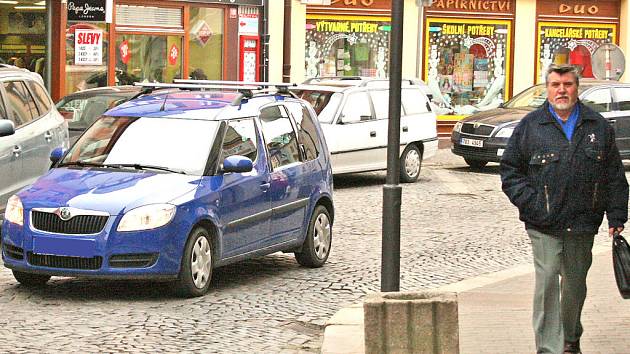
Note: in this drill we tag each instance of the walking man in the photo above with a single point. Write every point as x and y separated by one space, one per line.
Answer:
563 171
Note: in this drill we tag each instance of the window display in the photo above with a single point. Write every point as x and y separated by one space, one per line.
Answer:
570 43
467 63
206 43
147 58
347 47
78 75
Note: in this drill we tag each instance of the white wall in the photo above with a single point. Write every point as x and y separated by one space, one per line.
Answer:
276 31
524 45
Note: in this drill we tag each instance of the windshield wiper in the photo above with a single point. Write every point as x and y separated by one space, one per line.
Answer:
83 164
138 166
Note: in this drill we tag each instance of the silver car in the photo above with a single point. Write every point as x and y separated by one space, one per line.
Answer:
30 128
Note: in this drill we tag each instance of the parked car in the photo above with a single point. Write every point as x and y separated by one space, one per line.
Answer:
30 128
82 108
354 114
482 137
170 186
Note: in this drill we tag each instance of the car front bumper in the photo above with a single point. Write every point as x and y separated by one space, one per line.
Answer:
491 148
154 254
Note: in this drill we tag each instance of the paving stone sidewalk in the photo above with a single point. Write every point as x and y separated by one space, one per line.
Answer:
495 314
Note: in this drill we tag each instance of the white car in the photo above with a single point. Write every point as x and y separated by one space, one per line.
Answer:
30 128
353 112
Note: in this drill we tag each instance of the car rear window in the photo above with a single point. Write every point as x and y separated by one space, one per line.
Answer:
21 108
41 97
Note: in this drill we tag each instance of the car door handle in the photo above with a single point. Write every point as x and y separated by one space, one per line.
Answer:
17 150
405 129
372 134
48 136
265 185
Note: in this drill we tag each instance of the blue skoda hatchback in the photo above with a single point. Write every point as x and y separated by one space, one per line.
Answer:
175 183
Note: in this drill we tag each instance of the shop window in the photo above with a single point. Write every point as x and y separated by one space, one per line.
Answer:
350 47
23 37
149 16
467 63
206 43
279 137
598 100
22 107
148 58
622 96
571 43
86 66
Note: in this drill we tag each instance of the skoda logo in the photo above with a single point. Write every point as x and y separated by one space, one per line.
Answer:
476 125
65 214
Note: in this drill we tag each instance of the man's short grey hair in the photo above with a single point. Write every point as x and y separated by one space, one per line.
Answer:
563 69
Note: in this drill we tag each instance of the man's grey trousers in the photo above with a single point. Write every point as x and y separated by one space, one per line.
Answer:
561 263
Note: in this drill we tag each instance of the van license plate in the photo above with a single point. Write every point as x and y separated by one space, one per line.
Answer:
472 142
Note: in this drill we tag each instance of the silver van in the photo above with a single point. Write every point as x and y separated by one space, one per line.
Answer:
30 128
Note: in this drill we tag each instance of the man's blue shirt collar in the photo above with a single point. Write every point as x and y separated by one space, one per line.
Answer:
568 127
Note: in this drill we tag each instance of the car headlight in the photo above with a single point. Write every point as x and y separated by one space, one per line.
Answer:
147 217
15 211
505 133
458 127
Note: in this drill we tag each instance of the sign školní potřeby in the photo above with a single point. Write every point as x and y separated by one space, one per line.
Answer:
87 10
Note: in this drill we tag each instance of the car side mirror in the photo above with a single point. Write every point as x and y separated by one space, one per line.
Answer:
6 127
237 163
56 155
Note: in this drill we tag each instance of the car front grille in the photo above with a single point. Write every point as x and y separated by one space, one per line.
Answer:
133 260
480 130
65 262
79 224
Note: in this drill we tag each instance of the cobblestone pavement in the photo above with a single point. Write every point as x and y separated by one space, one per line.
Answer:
456 224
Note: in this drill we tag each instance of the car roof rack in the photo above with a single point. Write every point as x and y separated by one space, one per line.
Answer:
331 78
262 87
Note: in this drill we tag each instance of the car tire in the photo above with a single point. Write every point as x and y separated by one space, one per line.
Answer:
30 279
410 164
316 247
196 269
475 163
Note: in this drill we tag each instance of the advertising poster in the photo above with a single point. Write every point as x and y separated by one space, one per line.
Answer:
88 47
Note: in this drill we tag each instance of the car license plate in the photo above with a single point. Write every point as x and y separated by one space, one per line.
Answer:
472 142
64 247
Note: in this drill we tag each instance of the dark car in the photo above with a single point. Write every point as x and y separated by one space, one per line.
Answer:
82 108
483 136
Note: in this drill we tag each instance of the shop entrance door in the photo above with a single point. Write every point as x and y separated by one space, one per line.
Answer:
249 54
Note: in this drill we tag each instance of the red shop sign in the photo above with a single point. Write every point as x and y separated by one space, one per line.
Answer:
125 53
173 54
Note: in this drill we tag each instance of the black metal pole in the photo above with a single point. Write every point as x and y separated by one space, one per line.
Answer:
392 192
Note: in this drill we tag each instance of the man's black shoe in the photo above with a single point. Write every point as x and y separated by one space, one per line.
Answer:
572 347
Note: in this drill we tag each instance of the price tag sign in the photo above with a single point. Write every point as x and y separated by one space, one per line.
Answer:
88 47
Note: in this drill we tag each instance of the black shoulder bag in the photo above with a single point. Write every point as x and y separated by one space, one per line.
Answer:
621 264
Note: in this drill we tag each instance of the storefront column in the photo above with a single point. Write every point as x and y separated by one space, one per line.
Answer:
410 40
524 76
624 33
298 40
276 28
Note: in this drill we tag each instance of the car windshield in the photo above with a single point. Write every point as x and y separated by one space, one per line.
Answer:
533 97
325 103
172 144
81 111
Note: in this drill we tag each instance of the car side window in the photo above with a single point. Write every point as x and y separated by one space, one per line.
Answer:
622 95
598 100
307 133
240 139
357 108
21 106
280 138
3 112
414 101
41 97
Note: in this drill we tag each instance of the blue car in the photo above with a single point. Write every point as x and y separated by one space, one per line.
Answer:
175 183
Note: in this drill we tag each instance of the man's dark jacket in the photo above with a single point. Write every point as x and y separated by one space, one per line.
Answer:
562 186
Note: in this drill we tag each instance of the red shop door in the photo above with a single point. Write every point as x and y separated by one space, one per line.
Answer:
249 56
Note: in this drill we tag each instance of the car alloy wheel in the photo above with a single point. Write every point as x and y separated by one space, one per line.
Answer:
316 247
